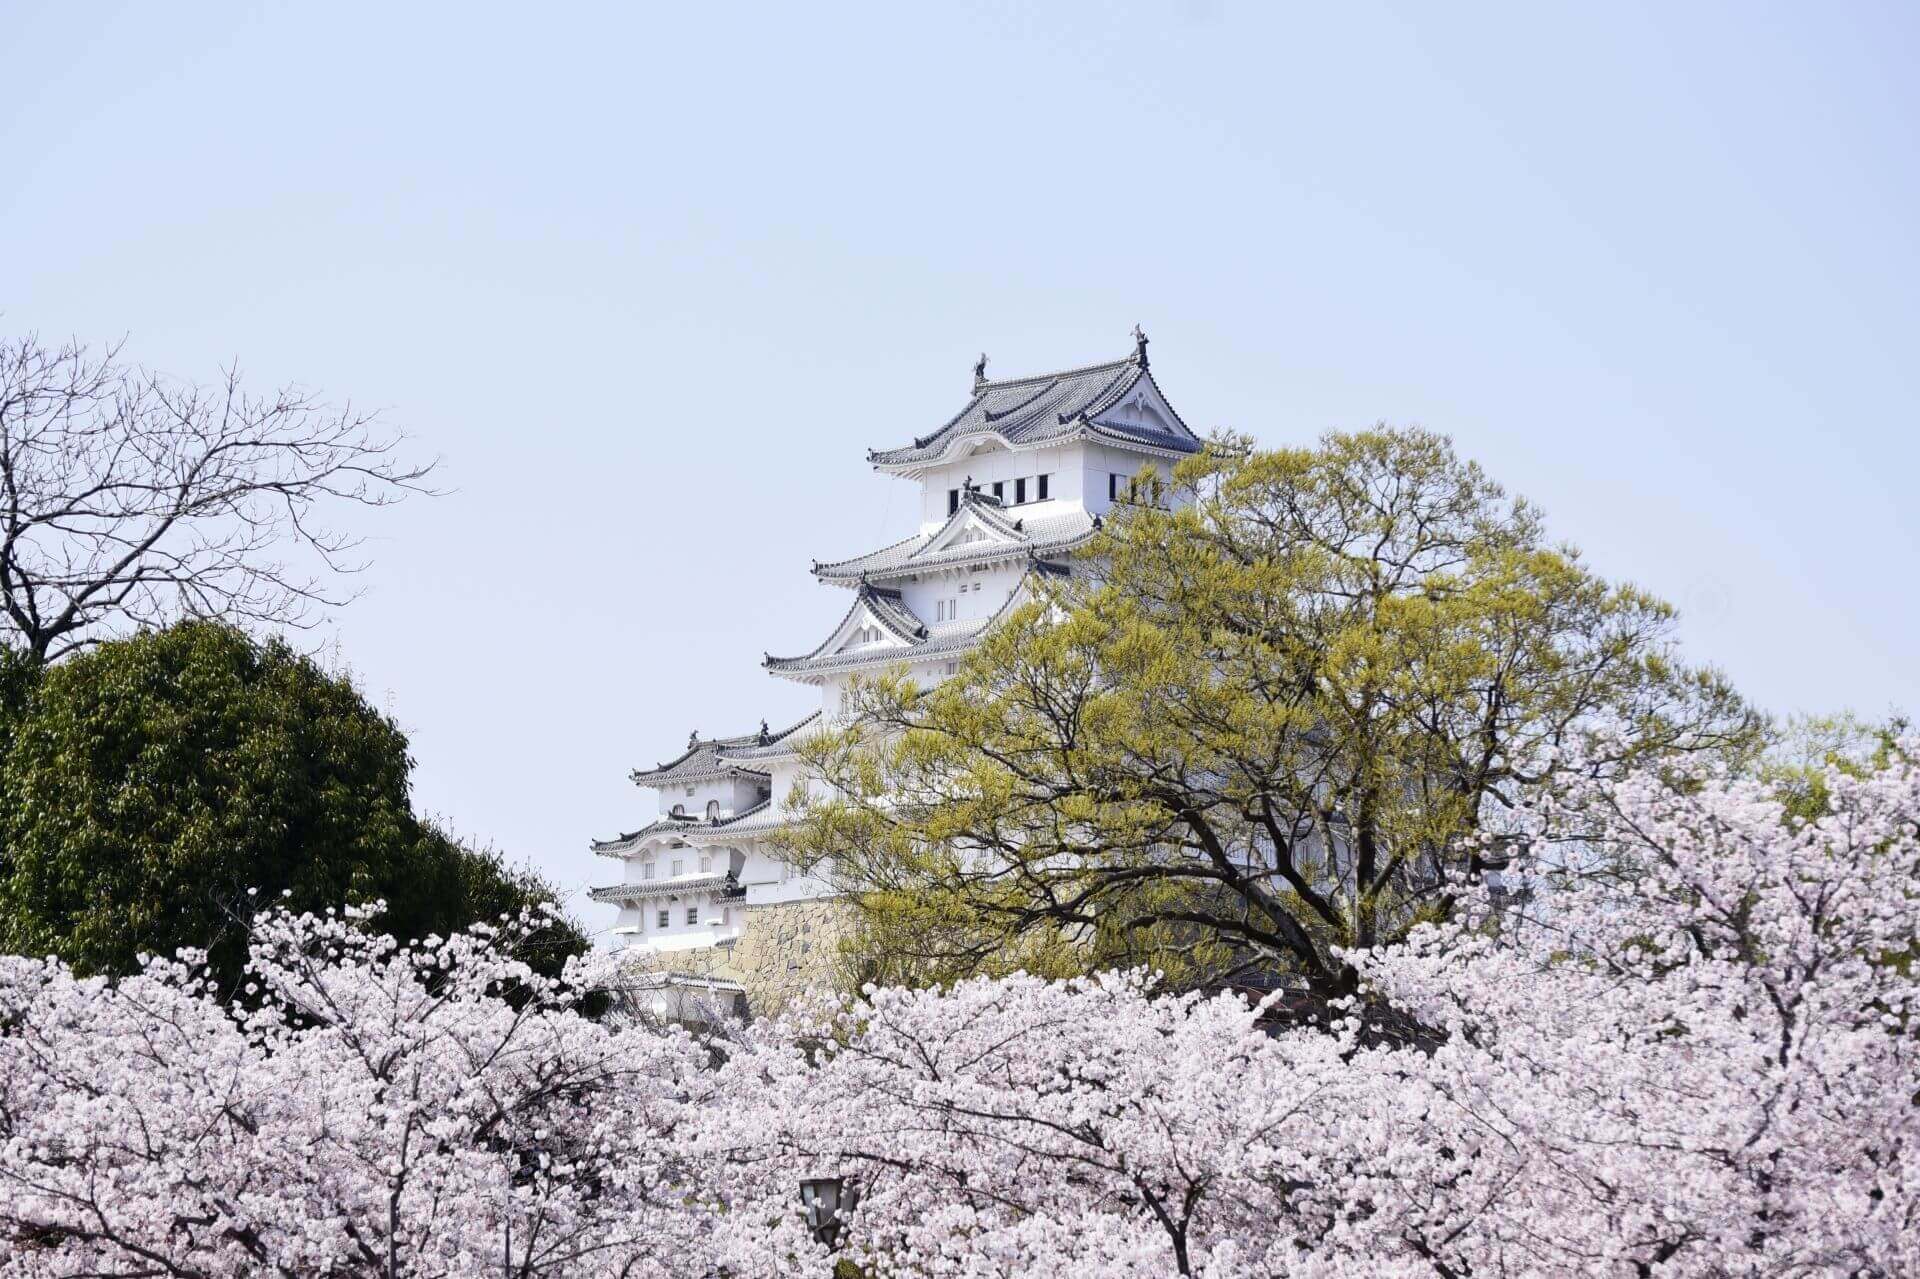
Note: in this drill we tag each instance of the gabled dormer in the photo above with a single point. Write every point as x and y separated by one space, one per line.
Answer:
878 622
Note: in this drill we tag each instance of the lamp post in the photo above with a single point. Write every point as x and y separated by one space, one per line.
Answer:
827 1201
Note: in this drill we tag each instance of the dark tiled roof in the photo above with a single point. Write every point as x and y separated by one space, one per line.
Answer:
714 756
775 745
659 888
621 843
753 818
1041 535
1030 410
761 817
935 641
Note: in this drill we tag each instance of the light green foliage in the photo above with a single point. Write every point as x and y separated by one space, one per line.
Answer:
148 783
1364 645
1805 747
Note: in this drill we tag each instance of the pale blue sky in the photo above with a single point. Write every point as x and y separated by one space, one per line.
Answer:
653 280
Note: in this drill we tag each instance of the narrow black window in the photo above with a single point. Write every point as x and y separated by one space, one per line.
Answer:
953 500
1019 492
1042 486
1113 487
999 490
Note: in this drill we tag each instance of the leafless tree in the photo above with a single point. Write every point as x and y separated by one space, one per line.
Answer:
128 498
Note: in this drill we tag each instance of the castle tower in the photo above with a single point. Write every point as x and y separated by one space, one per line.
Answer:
1009 486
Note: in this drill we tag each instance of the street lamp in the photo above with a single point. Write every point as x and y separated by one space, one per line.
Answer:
827 1201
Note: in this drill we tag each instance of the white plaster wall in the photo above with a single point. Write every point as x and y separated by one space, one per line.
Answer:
718 922
1100 461
769 878
736 794
997 463
986 591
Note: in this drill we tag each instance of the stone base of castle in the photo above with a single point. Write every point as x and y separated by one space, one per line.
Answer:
784 950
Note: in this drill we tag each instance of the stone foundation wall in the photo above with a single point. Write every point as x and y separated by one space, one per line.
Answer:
782 951
788 948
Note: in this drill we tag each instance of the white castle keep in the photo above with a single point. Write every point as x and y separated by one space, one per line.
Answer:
1009 486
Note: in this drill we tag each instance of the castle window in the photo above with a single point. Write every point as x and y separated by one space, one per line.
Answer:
1019 492
1041 484
713 810
646 870
706 863
953 500
1113 487
689 790
999 490
665 920
678 865
679 810
693 914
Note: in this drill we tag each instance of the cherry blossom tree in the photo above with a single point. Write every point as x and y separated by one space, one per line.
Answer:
388 1110
1683 1047
1681 1044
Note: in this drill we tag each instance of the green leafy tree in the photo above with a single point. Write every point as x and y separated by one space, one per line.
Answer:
155 790
1807 750
1281 716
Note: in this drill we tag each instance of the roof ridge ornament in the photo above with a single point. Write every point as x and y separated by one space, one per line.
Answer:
1139 346
980 371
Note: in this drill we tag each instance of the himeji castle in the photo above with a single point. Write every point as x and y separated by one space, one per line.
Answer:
1009 487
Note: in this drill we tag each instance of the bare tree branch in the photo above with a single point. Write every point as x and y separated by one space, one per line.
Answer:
130 499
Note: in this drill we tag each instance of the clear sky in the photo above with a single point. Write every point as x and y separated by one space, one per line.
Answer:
651 280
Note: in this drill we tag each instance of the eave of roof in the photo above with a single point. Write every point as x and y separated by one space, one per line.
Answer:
777 745
943 642
1043 409
658 888
716 756
1042 536
620 845
690 829
886 606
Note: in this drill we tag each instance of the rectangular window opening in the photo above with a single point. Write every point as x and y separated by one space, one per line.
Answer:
665 920
953 500
1019 492
693 914
999 490
1041 485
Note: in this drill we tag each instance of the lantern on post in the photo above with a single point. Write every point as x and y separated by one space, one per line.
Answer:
827 1202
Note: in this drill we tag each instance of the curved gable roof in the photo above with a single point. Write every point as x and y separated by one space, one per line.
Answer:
1048 406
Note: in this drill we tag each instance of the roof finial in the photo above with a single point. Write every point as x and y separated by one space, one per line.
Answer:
1140 346
980 369
763 732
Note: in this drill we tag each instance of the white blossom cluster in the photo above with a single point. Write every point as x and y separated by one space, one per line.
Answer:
1684 1047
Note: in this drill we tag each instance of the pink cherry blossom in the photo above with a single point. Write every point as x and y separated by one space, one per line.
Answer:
1680 1044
